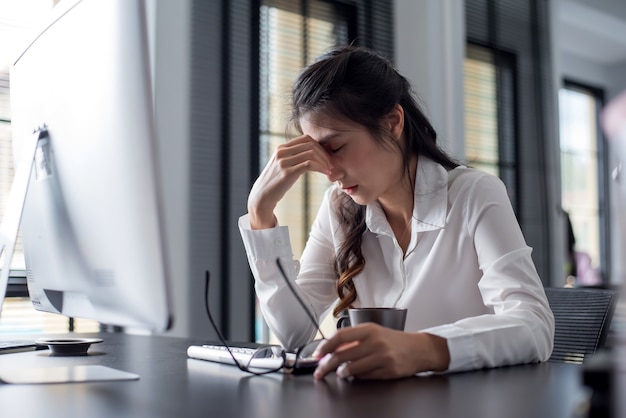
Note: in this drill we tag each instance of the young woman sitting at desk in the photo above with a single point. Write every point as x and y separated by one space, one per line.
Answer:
403 225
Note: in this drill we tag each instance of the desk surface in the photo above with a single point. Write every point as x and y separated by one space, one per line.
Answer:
171 385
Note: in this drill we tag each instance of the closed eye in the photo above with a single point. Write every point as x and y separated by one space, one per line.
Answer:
335 150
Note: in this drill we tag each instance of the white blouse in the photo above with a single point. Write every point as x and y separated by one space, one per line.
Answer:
467 275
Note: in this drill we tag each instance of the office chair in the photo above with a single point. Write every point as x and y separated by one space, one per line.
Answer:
582 320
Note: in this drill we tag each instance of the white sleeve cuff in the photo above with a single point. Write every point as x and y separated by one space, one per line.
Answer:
265 244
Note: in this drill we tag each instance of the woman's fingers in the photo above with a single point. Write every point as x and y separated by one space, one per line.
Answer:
287 164
363 369
345 336
349 345
370 351
303 150
352 359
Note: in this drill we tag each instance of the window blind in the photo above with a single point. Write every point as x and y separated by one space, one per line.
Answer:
481 118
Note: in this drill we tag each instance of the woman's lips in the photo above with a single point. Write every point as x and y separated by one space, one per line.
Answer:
350 190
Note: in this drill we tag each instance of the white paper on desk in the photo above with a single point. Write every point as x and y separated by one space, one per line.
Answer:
68 374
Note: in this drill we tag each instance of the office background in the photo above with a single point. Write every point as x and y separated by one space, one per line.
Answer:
428 44
208 103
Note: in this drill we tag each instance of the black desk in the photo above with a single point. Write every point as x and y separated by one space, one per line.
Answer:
171 385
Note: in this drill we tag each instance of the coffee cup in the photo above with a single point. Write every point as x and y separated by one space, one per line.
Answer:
393 318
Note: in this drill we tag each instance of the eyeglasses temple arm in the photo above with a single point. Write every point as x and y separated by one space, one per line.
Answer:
299 299
217 330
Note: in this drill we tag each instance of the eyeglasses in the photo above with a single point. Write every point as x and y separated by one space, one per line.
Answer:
297 361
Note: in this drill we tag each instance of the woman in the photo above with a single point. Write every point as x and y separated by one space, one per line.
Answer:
403 225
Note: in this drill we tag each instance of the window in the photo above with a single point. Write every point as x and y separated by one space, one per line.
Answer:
17 21
490 125
292 35
582 185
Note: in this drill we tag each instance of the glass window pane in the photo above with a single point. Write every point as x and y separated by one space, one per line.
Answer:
578 121
19 317
481 117
579 177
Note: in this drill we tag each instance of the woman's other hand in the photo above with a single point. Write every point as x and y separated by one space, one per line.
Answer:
288 162
370 351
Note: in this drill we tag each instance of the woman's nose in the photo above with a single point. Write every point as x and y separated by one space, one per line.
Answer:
335 173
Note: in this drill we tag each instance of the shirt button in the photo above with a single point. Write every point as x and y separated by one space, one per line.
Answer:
278 242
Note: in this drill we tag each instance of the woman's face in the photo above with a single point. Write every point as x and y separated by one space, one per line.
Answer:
362 168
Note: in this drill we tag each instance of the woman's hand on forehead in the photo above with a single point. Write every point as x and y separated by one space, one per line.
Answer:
288 162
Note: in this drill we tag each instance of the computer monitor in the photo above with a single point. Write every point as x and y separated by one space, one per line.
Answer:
93 223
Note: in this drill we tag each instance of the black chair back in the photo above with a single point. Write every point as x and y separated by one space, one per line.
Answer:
582 320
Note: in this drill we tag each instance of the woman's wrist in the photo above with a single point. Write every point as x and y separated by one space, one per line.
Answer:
261 222
441 358
435 355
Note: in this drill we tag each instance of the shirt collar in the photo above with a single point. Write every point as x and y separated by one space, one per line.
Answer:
430 202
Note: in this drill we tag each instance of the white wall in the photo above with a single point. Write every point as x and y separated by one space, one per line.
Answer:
616 76
429 52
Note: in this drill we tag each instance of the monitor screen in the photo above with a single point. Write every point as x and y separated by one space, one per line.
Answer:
92 224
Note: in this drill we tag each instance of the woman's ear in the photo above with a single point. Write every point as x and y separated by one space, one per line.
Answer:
395 119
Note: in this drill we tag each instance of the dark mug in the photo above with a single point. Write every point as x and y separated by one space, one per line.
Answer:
344 319
394 318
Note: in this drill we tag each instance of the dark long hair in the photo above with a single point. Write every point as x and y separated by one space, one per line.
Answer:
362 86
